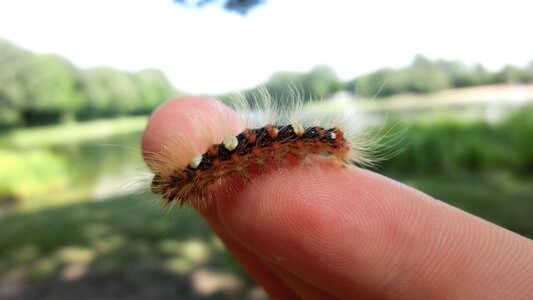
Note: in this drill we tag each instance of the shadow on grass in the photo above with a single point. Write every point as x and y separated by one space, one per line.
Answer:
121 248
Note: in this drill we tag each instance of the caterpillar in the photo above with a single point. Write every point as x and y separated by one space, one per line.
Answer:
243 136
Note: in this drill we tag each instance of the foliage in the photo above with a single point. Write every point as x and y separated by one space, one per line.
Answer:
421 76
426 76
319 82
29 173
451 146
45 88
41 89
316 84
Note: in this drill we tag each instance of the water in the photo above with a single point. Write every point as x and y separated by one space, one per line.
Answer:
103 167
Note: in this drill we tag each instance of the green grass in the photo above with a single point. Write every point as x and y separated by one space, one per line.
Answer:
109 235
125 240
71 132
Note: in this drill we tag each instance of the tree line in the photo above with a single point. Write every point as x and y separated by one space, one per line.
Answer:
421 76
46 88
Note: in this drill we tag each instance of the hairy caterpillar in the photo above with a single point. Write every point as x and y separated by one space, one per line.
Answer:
242 136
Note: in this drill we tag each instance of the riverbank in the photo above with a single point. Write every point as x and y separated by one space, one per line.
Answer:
22 138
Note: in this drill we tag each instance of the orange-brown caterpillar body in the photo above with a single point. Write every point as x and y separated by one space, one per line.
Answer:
252 147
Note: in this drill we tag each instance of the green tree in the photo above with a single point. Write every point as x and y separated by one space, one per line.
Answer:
12 91
45 88
514 74
382 83
36 88
426 76
109 92
51 84
154 88
279 83
320 82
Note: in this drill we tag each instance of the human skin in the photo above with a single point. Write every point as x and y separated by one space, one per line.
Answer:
314 231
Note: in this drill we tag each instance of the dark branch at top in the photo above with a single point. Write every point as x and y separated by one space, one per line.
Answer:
239 6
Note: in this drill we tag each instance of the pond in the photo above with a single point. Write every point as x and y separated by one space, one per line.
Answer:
103 167
72 170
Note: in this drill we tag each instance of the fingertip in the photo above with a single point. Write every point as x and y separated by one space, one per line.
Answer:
185 124
168 115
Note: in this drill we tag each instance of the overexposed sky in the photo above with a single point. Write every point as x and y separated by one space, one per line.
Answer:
210 50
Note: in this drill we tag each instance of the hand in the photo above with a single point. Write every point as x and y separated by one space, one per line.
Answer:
316 232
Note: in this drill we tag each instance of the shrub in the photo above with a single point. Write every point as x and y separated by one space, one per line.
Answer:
28 174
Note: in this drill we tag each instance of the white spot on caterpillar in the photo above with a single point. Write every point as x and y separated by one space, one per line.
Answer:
196 161
298 129
231 143
333 135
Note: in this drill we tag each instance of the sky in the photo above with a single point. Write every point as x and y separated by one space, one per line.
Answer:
210 50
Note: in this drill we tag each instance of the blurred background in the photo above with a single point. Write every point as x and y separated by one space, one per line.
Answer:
450 81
